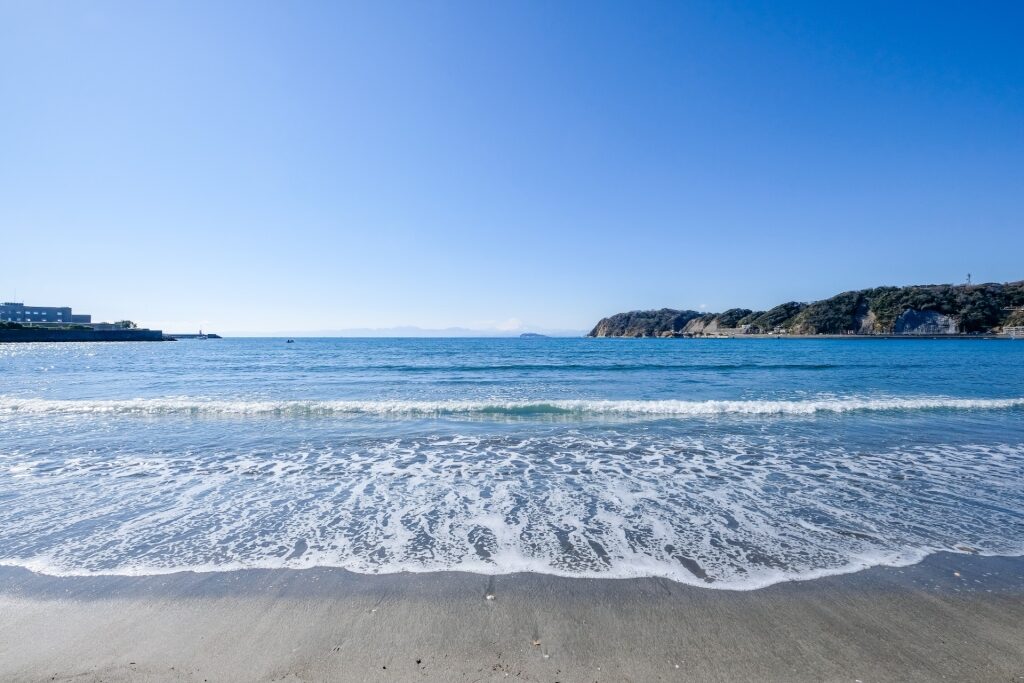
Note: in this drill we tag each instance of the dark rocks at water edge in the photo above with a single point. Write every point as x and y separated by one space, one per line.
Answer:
933 310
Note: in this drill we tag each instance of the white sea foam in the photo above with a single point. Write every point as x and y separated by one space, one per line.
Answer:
658 408
716 510
509 564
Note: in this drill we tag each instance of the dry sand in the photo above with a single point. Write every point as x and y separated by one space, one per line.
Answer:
953 617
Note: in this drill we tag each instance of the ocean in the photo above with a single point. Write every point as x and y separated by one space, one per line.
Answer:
725 463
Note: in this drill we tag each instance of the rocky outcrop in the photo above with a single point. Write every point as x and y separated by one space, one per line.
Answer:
644 323
925 322
866 322
705 325
915 310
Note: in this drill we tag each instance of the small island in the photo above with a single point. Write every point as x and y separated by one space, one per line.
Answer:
995 309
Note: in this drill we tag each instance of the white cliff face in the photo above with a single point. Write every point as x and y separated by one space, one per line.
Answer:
699 326
867 323
925 322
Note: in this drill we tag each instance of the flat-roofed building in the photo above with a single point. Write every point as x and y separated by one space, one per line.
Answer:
16 312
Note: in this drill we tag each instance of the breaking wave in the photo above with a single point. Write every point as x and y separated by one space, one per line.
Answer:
655 408
716 511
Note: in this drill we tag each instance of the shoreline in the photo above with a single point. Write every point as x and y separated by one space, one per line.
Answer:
954 616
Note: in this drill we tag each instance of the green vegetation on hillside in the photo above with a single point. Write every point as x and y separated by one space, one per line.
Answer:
919 309
653 323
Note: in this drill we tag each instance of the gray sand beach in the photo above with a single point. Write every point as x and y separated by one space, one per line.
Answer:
952 617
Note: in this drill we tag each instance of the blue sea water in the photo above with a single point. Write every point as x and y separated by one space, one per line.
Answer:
722 463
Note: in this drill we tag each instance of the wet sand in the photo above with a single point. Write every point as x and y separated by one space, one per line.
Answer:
952 617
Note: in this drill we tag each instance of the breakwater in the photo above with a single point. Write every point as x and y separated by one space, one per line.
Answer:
39 334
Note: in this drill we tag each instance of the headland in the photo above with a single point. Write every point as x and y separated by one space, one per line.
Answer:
993 309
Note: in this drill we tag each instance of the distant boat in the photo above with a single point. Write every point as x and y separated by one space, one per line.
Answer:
290 341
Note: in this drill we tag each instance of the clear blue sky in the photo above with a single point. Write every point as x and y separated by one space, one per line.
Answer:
303 166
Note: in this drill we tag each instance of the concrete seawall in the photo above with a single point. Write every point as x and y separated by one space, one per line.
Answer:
50 335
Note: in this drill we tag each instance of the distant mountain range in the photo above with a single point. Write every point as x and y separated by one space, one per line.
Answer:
408 331
918 309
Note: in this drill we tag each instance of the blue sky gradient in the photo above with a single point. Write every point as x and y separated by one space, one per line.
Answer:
299 166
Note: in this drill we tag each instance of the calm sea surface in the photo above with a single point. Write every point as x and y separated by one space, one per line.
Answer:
725 463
